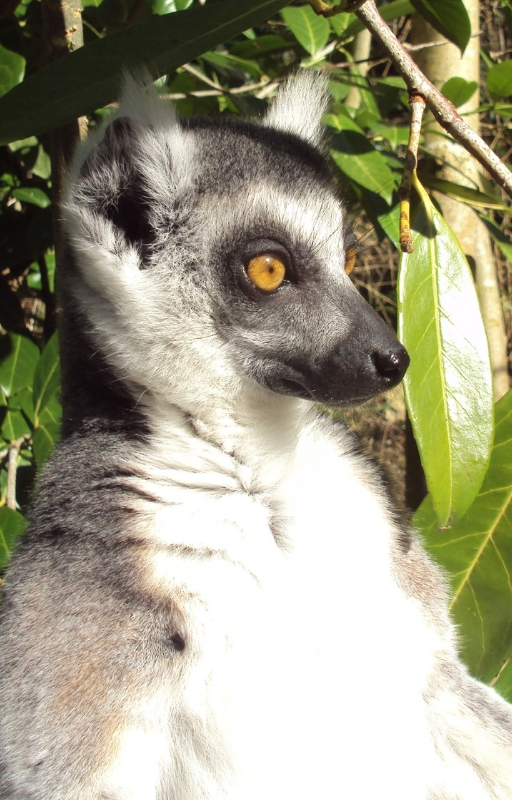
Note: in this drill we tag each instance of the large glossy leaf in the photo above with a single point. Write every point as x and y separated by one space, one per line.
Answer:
448 386
46 378
20 357
448 17
310 29
12 525
477 553
91 76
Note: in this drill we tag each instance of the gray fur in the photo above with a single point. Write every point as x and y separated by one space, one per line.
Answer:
213 599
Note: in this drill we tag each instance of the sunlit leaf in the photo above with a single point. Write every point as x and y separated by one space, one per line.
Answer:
503 683
477 554
52 412
20 357
458 90
499 80
474 197
311 30
29 194
12 525
44 439
12 69
14 425
355 155
448 386
46 377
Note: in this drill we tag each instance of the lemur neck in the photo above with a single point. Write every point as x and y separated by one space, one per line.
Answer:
255 439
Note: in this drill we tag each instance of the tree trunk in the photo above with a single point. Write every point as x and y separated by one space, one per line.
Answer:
360 50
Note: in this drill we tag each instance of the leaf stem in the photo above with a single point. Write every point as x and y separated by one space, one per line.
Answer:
417 102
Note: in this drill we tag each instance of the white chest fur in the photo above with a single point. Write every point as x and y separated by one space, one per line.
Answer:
291 649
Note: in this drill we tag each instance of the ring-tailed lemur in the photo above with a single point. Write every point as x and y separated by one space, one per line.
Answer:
213 600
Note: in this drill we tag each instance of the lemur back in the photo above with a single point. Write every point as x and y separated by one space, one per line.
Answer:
213 598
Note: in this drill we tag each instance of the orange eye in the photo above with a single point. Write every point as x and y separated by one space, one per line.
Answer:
350 260
267 272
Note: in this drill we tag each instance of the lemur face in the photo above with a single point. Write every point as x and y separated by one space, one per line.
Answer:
279 251
217 251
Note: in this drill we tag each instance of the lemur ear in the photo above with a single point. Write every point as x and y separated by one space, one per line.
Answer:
134 175
299 106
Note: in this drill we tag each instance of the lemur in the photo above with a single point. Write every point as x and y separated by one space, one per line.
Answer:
214 599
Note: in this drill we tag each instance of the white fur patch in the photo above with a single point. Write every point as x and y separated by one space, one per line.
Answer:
299 106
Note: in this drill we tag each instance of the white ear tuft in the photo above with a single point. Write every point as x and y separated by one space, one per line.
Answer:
299 106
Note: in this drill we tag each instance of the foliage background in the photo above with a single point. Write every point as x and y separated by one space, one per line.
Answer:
367 142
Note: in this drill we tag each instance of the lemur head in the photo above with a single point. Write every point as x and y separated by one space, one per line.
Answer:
211 257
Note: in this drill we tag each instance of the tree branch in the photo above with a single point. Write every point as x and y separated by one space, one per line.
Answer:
441 108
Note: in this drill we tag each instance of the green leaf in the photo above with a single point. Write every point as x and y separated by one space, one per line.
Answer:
52 412
390 224
477 553
396 135
358 159
499 80
458 91
14 425
228 61
253 48
12 525
46 377
12 69
91 76
311 30
24 400
472 196
448 386
29 194
504 682
20 357
448 17
44 439
339 23
503 241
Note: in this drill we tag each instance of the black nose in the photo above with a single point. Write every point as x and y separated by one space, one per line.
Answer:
391 365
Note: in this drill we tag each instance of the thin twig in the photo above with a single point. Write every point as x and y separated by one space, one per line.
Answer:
417 102
12 466
442 109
